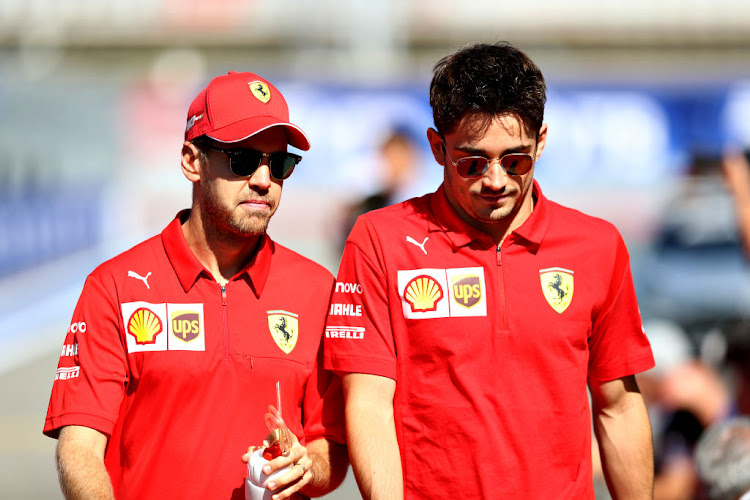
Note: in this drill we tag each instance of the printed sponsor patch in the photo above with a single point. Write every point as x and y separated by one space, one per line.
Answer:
77 327
145 326
186 327
345 332
163 327
442 293
284 328
67 373
557 287
69 350
345 310
342 287
423 293
467 291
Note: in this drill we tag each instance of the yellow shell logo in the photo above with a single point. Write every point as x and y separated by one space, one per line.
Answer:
423 293
260 90
144 325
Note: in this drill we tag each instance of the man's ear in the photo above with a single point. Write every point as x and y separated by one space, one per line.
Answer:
191 163
436 145
541 141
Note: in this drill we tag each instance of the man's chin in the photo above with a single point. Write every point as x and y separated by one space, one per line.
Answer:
493 216
255 226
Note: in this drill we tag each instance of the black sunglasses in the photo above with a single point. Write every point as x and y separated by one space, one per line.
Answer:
243 162
476 166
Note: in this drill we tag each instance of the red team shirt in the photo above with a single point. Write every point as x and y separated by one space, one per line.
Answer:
491 349
179 371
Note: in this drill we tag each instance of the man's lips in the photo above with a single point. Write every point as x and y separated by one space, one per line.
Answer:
256 204
495 197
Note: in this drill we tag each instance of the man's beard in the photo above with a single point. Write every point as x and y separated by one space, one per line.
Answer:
229 223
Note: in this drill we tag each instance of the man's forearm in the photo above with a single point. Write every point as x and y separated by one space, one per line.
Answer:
371 436
81 469
330 461
626 448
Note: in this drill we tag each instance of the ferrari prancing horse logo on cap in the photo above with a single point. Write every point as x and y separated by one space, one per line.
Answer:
260 90
557 286
284 329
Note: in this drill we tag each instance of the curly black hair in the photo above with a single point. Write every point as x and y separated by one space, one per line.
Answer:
490 80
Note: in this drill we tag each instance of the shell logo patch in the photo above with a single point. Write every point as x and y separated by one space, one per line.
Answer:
467 290
423 293
260 90
557 287
144 325
284 328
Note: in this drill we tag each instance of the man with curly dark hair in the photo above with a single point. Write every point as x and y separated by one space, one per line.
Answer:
467 324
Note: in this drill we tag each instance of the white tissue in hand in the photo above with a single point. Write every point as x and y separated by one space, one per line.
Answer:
255 483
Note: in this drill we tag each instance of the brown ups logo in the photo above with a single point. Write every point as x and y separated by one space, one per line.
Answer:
467 290
186 325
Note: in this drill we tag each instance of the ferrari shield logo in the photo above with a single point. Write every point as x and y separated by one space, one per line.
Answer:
260 90
284 329
557 286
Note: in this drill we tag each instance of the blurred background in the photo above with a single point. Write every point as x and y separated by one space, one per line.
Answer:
646 102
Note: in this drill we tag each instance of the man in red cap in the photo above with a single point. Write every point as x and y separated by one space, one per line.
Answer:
178 346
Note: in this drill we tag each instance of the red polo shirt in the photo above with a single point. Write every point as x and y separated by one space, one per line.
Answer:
491 349
179 371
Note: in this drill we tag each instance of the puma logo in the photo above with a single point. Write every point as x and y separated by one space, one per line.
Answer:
137 276
415 242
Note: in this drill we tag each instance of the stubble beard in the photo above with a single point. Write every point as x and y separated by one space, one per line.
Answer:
229 223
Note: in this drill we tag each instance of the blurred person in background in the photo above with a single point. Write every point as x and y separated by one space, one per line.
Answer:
464 347
695 398
176 345
398 157
736 169
684 396
723 460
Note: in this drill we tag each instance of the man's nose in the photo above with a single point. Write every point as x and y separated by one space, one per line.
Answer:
495 177
262 175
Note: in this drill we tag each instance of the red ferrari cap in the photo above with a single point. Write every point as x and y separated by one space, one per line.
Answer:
236 106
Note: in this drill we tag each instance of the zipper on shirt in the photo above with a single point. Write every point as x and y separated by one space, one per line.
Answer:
501 286
225 319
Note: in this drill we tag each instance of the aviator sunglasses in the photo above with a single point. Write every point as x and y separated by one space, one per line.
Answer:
475 166
243 162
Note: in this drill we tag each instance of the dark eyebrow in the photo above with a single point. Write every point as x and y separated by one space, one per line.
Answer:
480 152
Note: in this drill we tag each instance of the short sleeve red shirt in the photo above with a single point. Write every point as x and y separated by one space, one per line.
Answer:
491 348
179 370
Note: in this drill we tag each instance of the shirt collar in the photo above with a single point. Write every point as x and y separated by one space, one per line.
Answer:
188 268
530 234
532 231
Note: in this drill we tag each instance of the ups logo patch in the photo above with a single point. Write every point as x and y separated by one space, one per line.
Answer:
467 290
186 325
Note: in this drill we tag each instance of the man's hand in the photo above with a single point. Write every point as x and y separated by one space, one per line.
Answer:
299 476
